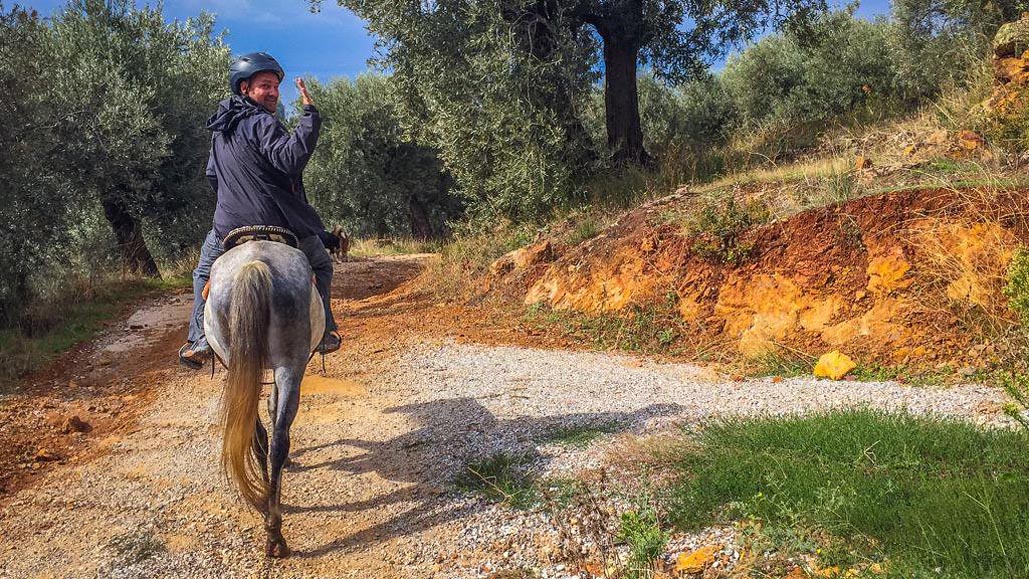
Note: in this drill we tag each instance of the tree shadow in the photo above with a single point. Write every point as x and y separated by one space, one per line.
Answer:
435 451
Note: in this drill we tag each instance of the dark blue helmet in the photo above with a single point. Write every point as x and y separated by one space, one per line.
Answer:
248 65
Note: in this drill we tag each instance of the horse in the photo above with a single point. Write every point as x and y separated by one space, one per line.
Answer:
262 312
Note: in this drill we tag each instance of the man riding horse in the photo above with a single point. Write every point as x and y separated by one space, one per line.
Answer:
255 169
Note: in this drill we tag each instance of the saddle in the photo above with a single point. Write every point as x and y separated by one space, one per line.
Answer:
241 235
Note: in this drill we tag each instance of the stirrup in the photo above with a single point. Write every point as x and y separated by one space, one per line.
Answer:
330 343
193 359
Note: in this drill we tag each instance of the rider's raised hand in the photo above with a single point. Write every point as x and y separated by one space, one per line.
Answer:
305 96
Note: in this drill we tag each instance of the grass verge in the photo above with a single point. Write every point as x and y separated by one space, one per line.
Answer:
643 329
57 325
392 246
928 496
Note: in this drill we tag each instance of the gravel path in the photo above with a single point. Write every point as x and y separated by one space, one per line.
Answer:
369 493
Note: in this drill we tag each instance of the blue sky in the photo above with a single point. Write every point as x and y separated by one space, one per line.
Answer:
328 44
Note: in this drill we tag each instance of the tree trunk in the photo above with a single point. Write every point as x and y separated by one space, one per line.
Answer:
621 100
421 227
129 234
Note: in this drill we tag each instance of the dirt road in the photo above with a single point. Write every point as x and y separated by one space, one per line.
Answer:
420 391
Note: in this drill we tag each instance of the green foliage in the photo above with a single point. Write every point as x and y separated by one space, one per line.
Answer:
580 436
1016 385
503 88
144 88
718 225
34 201
919 492
937 41
366 174
108 104
498 99
1017 288
842 64
641 531
502 478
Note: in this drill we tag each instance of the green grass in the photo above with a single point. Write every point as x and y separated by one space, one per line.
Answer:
49 329
920 493
135 547
586 229
501 478
642 329
783 362
392 246
580 436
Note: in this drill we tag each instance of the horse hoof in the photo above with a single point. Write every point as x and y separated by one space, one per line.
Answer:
276 548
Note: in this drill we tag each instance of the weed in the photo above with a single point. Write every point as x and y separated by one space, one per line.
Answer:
47 328
136 547
392 246
718 225
1017 288
1016 385
840 187
562 492
502 478
580 436
646 541
588 535
637 329
783 362
585 229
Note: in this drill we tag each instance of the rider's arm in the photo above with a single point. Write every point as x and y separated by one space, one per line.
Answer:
212 177
289 152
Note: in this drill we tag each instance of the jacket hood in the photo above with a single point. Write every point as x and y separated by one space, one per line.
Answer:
230 112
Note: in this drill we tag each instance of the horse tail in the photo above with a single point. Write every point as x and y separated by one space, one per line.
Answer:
249 314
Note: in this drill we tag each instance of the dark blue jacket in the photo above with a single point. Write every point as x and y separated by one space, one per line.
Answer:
256 165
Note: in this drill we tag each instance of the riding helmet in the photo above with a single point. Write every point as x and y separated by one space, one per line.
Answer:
250 64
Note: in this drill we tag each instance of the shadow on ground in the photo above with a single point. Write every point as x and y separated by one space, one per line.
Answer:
430 456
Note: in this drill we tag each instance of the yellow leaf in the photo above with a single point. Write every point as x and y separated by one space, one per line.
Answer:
834 365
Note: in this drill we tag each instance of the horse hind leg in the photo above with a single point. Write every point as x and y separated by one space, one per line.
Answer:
260 448
287 384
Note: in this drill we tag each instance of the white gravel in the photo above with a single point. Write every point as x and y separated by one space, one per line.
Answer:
369 493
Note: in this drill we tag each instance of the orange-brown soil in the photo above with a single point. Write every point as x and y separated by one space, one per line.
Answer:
379 303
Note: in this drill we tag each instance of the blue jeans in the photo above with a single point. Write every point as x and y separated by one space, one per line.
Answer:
212 248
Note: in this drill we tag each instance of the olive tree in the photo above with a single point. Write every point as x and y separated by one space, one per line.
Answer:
33 199
367 174
134 91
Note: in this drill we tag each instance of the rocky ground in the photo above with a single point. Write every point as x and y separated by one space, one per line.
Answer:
420 391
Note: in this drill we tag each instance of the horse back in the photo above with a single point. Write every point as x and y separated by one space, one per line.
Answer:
295 312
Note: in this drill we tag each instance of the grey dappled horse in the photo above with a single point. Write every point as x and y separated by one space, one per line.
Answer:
262 311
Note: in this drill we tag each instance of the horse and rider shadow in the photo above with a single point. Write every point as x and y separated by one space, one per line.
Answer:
428 458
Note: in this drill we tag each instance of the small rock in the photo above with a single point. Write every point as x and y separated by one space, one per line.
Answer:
834 365
76 424
696 561
44 455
